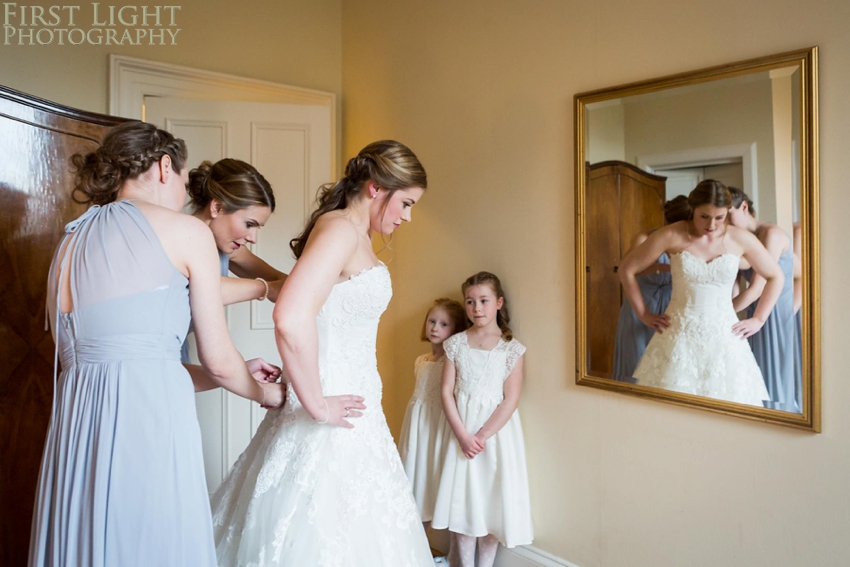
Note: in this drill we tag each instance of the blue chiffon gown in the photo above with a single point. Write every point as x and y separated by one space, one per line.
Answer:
632 335
122 475
776 346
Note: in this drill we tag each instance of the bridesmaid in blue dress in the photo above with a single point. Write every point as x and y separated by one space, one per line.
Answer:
122 477
656 287
234 200
775 345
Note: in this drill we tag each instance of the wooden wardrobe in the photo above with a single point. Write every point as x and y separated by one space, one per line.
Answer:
621 202
36 139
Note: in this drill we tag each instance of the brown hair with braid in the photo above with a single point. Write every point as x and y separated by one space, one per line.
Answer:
127 151
390 164
234 183
502 316
453 309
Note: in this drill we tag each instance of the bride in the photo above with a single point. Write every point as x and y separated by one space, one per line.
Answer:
312 488
698 346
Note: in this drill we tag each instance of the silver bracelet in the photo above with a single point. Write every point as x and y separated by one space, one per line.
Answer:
266 294
327 411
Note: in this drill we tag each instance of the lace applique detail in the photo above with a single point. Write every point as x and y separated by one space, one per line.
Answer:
481 376
514 350
317 494
429 377
698 353
450 345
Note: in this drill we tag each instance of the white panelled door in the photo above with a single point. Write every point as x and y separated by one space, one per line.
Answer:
291 146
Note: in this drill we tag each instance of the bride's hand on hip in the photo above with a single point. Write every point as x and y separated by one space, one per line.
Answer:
340 408
747 327
656 322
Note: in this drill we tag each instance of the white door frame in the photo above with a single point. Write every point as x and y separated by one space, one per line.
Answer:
699 157
132 79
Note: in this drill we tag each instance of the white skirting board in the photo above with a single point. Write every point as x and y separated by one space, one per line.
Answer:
529 556
522 556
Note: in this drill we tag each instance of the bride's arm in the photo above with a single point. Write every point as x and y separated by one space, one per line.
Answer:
637 260
328 250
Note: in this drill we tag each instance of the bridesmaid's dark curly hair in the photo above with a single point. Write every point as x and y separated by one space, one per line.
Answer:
234 183
127 151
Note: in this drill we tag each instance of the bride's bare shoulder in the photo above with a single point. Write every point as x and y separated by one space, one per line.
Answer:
674 233
336 223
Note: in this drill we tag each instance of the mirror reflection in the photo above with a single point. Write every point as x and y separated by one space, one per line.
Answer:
693 239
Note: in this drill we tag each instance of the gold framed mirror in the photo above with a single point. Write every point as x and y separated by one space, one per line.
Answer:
645 153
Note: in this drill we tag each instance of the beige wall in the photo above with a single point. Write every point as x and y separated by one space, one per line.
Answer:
296 43
724 114
482 91
605 134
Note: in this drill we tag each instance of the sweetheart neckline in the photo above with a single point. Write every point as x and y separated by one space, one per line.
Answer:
362 272
706 262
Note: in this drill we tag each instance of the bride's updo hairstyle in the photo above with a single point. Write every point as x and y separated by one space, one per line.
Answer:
127 151
234 183
739 198
502 316
709 192
390 164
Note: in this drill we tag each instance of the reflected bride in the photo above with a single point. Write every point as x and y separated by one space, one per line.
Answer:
698 347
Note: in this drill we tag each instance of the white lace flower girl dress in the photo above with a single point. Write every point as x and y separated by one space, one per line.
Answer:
487 494
421 441
304 494
698 353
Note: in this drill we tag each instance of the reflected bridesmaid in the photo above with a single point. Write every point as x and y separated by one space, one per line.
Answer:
774 345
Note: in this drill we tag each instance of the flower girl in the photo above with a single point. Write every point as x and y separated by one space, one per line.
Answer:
421 442
483 491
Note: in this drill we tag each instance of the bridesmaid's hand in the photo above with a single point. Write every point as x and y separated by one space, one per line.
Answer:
747 327
471 445
274 290
262 371
656 322
274 395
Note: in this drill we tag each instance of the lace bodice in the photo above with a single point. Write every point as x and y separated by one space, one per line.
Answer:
481 374
429 375
702 285
347 327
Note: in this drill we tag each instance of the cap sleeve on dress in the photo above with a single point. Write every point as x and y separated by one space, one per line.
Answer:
450 345
515 349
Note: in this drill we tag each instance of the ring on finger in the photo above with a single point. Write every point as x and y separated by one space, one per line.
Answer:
347 411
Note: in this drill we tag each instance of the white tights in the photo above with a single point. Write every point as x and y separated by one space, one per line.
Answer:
462 550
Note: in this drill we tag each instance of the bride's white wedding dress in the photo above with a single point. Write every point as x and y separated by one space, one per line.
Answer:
305 494
698 353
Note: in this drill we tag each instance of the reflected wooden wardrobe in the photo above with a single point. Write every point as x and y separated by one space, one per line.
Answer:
622 202
36 139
